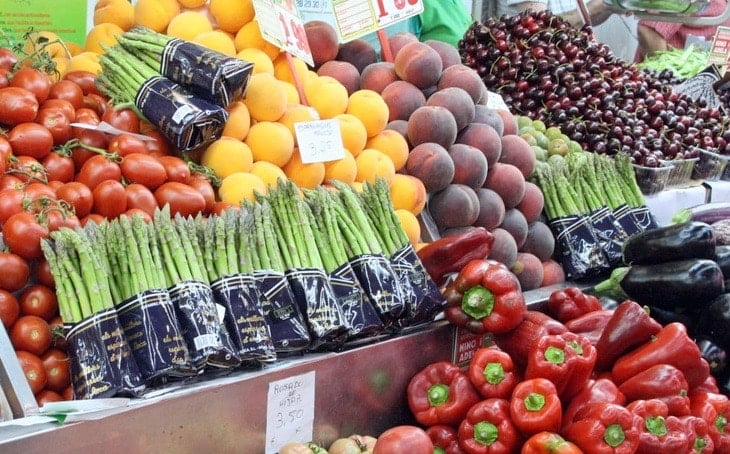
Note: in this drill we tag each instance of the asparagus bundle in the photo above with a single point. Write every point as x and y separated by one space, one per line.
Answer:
101 362
187 121
209 74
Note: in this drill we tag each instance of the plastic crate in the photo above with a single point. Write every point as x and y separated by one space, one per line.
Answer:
681 173
652 179
710 166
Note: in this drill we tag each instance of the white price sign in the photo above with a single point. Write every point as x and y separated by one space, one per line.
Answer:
356 18
289 411
319 140
281 25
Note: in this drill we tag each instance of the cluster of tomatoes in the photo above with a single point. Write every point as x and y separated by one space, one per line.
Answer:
69 156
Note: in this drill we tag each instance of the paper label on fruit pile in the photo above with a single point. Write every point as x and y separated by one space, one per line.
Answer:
356 18
495 101
281 24
319 140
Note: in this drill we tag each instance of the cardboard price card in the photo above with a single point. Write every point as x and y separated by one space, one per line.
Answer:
720 51
281 25
17 17
356 18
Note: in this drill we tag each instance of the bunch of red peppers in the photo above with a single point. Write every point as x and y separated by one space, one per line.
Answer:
576 378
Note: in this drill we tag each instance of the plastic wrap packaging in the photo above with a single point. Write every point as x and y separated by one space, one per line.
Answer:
644 217
580 251
101 362
188 122
359 312
626 219
381 284
424 299
326 322
154 335
245 318
202 324
286 322
609 233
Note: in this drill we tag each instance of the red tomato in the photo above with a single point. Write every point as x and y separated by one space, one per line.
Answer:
8 181
33 80
28 169
5 151
57 368
97 103
58 333
36 191
137 212
59 168
203 186
78 195
86 115
97 169
110 200
31 334
8 59
39 300
125 144
68 393
42 272
60 104
4 81
220 206
30 139
11 202
9 308
182 198
15 271
92 217
33 369
45 396
22 234
176 168
124 119
143 169
85 80
57 123
140 197
54 184
160 146
57 217
88 139
17 105
403 439
69 91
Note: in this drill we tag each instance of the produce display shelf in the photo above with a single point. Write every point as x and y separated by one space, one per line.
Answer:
228 413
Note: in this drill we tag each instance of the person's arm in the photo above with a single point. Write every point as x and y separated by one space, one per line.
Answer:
597 9
650 40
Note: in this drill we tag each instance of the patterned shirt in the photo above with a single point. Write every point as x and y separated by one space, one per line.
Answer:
555 6
676 33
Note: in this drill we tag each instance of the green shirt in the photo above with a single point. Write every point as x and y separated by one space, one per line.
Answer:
444 20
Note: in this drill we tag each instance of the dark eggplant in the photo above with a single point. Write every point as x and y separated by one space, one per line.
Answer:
666 316
715 355
685 284
706 212
722 258
688 240
714 322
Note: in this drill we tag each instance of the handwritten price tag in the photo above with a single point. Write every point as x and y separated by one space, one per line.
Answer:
390 11
290 411
356 18
281 25
319 141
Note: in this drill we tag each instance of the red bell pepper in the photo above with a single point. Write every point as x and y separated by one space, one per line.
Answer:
698 432
602 428
715 409
488 429
570 302
485 297
659 380
598 390
565 359
518 342
590 325
671 345
660 432
584 359
440 393
629 327
449 254
709 385
549 443
493 373
445 439
535 407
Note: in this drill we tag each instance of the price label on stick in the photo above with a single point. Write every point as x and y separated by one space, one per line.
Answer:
281 25
319 140
290 411
356 18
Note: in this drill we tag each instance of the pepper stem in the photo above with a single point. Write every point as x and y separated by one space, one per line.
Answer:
656 425
478 302
720 423
494 373
438 394
577 348
438 450
554 355
534 402
612 285
485 433
614 435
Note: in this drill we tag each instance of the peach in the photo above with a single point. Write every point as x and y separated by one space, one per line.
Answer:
376 76
510 122
432 164
456 205
419 64
432 124
400 39
344 72
457 101
489 116
402 98
448 53
399 126
359 52
464 77
470 165
485 138
323 41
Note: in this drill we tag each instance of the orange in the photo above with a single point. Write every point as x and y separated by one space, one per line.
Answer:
308 175
270 141
189 24
155 14
369 107
408 193
261 62
102 34
409 223
240 186
226 156
327 95
239 121
250 36
354 134
371 164
217 40
265 97
393 144
231 15
118 12
344 169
